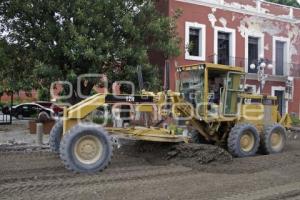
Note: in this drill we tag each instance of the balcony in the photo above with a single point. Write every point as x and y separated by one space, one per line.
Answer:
289 69
227 60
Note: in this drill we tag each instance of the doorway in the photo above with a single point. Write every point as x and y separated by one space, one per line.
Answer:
281 101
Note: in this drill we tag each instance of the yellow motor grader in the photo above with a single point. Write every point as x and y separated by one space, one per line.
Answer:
211 104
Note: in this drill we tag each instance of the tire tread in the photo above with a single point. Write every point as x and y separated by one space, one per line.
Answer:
265 145
55 136
233 140
66 157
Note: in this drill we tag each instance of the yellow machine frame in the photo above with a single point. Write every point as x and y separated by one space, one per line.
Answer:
74 114
211 104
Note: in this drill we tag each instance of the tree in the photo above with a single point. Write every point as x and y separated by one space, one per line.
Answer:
14 73
65 38
293 3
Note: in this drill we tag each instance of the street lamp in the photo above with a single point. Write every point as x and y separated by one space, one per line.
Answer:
261 66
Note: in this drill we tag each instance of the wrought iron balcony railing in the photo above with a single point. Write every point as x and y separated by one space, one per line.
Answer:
286 69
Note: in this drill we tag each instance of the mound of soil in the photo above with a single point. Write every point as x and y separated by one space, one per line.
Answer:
191 155
198 154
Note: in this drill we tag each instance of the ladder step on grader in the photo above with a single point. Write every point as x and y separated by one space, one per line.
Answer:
210 102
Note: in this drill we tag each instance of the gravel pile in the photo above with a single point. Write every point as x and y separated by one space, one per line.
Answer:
13 146
191 155
198 154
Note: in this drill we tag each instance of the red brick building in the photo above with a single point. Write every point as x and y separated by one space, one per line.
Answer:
239 32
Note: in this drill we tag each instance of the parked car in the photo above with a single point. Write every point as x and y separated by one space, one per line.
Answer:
56 109
30 110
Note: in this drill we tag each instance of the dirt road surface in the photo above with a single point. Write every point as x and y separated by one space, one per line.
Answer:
35 173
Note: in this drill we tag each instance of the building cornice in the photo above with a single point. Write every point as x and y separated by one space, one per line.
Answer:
277 4
248 12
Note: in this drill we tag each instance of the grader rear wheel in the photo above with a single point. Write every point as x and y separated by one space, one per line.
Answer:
243 140
273 140
86 148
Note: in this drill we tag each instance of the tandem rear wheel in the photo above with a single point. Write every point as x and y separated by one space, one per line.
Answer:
243 140
273 140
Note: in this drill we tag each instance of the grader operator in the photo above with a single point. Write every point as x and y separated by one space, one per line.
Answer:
211 101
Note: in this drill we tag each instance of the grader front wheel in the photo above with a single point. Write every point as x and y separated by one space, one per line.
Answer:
243 140
86 148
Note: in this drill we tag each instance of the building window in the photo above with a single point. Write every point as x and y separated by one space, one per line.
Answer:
252 53
281 56
251 89
224 46
195 41
280 49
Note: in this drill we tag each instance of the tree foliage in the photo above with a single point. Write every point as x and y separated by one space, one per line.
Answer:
15 73
286 2
62 39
